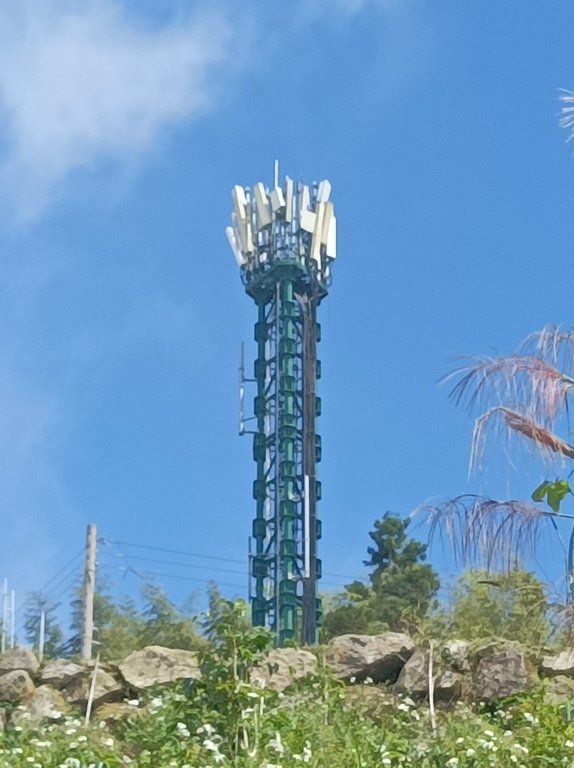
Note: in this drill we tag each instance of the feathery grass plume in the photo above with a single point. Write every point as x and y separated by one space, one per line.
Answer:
511 380
524 393
483 531
554 344
511 420
567 119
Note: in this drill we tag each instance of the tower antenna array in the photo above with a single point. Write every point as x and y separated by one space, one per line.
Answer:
284 241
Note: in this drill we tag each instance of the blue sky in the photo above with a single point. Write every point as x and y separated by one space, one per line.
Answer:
125 124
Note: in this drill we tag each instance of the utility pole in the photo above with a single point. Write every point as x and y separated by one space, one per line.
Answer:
12 618
88 597
4 614
42 636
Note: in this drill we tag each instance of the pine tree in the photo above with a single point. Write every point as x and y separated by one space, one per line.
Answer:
36 604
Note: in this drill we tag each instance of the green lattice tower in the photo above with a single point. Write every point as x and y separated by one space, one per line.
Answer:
284 241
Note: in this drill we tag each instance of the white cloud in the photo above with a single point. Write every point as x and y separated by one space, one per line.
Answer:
81 82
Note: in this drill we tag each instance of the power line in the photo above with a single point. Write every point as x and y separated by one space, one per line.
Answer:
172 562
108 542
171 551
64 578
143 574
77 556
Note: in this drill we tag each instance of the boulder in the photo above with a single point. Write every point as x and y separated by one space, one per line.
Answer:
155 664
456 655
414 681
282 667
116 712
46 703
559 690
501 669
380 657
19 658
16 685
449 686
106 689
560 664
60 672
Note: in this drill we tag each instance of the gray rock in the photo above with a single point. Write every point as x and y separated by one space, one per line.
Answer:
380 657
46 703
19 658
16 685
116 712
60 672
501 669
282 667
455 654
107 688
559 690
155 664
413 679
449 686
560 664
414 676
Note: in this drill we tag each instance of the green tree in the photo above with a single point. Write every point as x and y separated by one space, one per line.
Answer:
510 605
36 604
165 624
401 584
117 627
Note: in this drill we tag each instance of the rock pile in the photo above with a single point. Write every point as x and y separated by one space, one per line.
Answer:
391 660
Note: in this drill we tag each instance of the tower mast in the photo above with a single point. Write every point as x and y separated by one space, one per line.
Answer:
284 240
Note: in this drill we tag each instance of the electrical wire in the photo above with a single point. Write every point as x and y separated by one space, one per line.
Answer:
181 565
170 551
108 542
153 574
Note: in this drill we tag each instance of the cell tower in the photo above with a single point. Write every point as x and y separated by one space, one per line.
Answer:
284 240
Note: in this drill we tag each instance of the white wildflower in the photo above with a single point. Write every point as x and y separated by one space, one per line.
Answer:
470 752
452 762
276 744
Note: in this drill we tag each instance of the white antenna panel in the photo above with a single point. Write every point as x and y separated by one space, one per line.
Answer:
243 234
239 202
327 216
239 257
324 191
288 199
306 217
277 200
316 242
332 238
262 206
